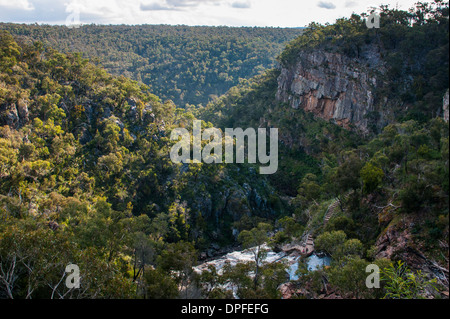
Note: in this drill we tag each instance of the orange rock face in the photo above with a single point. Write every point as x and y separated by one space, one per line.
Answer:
330 85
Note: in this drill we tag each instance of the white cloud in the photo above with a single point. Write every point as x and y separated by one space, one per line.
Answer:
17 4
241 5
326 5
154 7
176 4
350 4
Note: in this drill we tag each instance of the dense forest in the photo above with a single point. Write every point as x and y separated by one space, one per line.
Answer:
186 65
86 177
85 166
391 185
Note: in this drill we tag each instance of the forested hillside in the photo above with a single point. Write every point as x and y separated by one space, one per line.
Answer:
384 194
188 65
86 178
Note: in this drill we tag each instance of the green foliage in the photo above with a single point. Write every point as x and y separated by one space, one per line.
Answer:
331 242
159 285
290 227
85 157
33 259
402 283
253 240
255 237
350 279
372 176
344 223
337 245
9 52
270 277
189 65
413 45
309 189
85 175
348 173
253 104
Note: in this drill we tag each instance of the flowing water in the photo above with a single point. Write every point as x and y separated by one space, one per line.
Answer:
244 256
313 262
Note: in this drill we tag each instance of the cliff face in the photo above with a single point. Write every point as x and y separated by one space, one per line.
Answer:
332 86
397 242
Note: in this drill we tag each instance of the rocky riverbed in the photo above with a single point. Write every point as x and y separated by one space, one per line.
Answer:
246 255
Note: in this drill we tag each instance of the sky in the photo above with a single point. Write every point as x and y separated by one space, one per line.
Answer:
260 13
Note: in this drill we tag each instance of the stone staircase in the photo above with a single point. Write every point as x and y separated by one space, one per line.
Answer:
306 245
330 211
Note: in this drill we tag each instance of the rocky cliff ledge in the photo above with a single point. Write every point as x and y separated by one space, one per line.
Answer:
332 86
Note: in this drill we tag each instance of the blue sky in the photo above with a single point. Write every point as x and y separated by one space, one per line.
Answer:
277 13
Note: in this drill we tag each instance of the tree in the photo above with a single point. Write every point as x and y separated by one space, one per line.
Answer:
290 227
107 230
335 244
350 278
274 274
253 240
344 223
330 242
159 285
239 278
309 189
8 157
9 51
402 283
178 222
179 258
372 177
348 174
353 247
49 108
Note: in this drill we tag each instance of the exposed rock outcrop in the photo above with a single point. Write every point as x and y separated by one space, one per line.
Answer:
22 109
393 242
11 116
15 115
332 86
396 242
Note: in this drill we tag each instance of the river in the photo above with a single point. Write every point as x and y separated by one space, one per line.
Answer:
244 256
